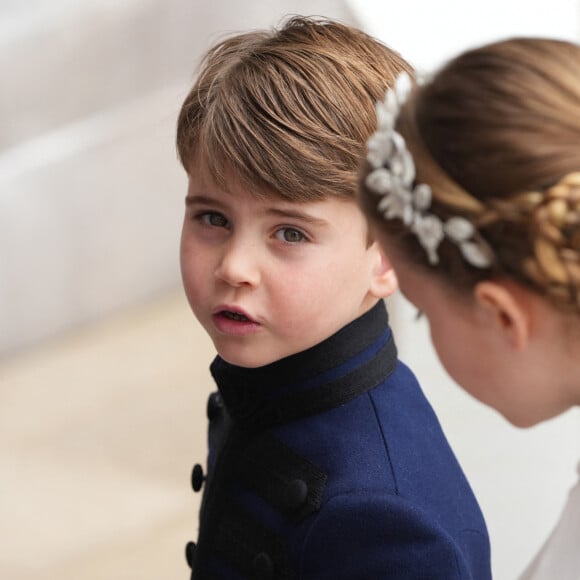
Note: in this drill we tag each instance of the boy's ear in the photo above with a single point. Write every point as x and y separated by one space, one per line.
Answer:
506 309
383 278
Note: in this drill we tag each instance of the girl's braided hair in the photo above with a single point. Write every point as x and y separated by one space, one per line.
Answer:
496 134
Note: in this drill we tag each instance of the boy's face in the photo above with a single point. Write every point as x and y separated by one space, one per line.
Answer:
269 278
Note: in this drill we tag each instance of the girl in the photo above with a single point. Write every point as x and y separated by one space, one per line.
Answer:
472 185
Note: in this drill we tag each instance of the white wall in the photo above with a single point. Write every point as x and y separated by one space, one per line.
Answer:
427 32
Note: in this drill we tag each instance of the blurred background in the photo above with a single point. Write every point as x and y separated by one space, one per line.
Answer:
103 370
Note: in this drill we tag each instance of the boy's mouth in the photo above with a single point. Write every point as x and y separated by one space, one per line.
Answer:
233 313
237 316
234 322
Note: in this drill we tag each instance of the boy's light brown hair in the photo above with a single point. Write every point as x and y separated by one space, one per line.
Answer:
287 112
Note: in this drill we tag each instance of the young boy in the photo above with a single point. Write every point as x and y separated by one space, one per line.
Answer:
325 459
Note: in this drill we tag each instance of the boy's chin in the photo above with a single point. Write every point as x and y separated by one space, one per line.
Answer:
252 358
249 360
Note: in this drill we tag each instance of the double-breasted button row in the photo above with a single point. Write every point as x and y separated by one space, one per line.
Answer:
215 405
197 477
190 553
296 494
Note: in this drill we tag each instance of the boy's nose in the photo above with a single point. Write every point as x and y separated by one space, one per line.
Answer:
238 266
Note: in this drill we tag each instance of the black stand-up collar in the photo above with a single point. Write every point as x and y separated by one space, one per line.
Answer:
352 361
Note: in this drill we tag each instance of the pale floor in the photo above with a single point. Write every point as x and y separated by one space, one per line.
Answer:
98 433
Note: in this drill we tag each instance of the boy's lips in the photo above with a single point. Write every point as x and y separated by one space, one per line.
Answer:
233 320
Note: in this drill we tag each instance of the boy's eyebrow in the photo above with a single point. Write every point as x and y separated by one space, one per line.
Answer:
297 215
201 199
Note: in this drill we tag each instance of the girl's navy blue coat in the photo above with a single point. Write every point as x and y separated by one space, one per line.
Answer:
330 464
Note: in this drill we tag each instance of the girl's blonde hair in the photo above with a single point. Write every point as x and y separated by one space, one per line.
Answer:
287 111
496 134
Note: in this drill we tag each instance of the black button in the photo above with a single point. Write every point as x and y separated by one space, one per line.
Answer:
197 477
190 553
215 404
296 494
263 567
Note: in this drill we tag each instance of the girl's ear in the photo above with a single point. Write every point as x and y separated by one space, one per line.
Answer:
505 307
383 278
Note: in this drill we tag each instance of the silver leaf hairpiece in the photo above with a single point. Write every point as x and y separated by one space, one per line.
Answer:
393 175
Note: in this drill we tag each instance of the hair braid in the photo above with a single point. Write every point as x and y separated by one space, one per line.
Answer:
555 263
552 221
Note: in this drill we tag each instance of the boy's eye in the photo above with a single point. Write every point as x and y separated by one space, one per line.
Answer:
290 235
214 219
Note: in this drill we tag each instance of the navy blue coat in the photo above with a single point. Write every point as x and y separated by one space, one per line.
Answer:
330 464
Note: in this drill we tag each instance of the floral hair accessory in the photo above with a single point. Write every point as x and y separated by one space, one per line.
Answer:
393 177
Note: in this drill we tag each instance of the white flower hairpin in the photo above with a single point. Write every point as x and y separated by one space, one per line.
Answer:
393 176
